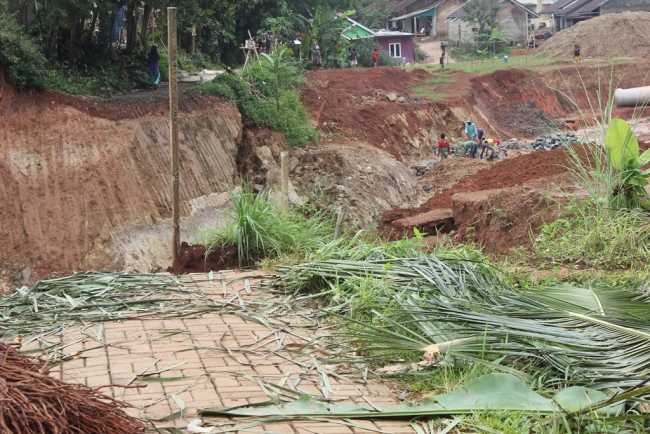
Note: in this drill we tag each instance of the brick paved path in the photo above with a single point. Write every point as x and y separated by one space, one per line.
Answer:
212 352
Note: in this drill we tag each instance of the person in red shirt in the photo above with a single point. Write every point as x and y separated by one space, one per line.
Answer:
375 57
443 146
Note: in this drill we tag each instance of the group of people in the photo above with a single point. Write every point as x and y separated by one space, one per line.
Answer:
477 141
353 57
265 43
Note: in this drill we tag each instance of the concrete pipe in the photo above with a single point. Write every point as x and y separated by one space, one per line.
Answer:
637 96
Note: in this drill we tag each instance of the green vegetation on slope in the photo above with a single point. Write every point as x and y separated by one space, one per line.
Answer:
264 104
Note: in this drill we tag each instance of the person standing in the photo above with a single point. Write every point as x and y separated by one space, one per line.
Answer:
576 53
443 147
470 130
353 57
442 62
505 58
317 57
443 47
153 60
375 57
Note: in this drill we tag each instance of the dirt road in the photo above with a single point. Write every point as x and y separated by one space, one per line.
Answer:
432 48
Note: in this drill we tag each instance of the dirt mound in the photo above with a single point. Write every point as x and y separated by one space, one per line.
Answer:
192 259
613 35
448 173
352 103
504 174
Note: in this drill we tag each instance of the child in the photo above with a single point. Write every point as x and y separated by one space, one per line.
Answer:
505 58
353 57
404 61
375 57
443 147
152 62
442 62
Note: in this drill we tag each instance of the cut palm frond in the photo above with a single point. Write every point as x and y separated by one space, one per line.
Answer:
56 304
596 337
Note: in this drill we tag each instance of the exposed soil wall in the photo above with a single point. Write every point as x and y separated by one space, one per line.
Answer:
74 172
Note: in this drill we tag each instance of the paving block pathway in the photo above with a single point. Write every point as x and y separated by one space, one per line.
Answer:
220 358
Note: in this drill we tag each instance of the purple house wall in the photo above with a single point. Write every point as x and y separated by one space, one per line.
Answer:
403 40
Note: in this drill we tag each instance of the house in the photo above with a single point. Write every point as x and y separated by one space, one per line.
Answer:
545 20
413 15
397 44
513 18
566 13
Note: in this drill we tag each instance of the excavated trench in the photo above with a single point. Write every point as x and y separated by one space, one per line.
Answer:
85 182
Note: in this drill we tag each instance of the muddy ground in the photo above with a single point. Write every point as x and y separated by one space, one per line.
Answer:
85 182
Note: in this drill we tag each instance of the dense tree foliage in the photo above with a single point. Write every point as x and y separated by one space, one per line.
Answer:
483 13
53 40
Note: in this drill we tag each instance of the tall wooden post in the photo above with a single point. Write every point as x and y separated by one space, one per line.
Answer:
284 168
173 132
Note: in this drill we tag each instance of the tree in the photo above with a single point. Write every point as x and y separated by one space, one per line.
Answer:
481 12
324 29
375 15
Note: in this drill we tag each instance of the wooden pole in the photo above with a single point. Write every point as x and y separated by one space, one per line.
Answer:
284 167
173 131
339 223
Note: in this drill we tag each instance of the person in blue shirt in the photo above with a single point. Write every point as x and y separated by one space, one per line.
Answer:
505 58
470 130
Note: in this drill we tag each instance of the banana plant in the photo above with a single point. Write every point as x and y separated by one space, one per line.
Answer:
623 154
276 64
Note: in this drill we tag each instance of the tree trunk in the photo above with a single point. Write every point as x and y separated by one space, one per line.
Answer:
146 17
198 37
73 38
93 23
131 25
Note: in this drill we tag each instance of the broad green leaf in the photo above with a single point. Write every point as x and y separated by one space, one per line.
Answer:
498 392
577 398
641 181
644 158
622 145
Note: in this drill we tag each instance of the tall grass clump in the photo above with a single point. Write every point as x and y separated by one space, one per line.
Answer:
609 227
259 230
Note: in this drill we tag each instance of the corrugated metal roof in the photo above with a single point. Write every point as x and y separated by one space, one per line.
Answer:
587 8
412 14
559 4
460 12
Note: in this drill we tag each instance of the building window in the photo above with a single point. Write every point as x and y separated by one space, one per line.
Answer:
395 49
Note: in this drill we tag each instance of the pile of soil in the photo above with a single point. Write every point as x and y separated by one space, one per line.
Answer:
507 173
504 174
447 173
352 103
192 259
612 35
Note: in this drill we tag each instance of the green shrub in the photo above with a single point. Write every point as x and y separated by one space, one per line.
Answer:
420 55
19 55
292 118
258 228
365 48
104 82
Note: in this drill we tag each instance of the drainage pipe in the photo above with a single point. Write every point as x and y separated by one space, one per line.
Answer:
637 96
